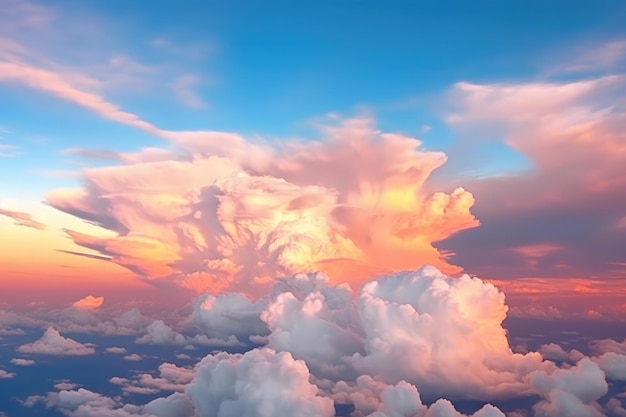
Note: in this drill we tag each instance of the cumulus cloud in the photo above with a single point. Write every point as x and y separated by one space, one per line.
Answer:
352 201
116 350
613 365
160 333
89 302
229 315
6 375
169 377
608 345
85 403
390 350
260 382
132 357
52 343
571 134
554 352
22 362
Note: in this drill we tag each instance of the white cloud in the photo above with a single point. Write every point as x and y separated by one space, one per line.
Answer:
52 343
132 357
257 383
115 350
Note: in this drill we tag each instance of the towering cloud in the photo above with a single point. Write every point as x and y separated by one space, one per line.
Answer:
221 213
571 135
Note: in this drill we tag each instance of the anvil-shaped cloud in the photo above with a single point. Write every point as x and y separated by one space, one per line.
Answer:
221 213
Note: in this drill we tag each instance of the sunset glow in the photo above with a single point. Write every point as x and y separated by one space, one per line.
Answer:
332 209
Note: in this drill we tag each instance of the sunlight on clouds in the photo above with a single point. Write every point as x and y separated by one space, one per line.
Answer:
222 219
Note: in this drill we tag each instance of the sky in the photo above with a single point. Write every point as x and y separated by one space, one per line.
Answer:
258 176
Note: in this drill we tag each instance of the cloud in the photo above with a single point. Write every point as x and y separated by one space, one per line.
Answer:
159 333
351 203
9 151
391 349
570 392
258 383
554 352
22 362
608 345
115 350
229 315
613 365
52 343
6 375
571 133
85 403
168 378
22 219
88 303
132 357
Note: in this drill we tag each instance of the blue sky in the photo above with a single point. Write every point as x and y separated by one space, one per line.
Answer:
270 68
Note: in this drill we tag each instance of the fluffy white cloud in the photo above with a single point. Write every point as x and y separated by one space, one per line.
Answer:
132 357
85 403
570 392
259 383
168 378
554 352
613 365
52 343
227 315
314 321
159 333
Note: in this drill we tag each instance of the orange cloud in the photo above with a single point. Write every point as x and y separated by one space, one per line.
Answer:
230 214
89 302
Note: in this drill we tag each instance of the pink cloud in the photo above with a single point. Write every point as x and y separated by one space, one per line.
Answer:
236 214
561 216
22 219
90 302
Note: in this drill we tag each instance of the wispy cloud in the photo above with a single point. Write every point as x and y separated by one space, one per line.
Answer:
22 219
9 151
186 89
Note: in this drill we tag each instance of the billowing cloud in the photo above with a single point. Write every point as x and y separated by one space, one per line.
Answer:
89 302
52 343
226 214
259 383
613 365
390 350
84 403
560 216
229 315
160 333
